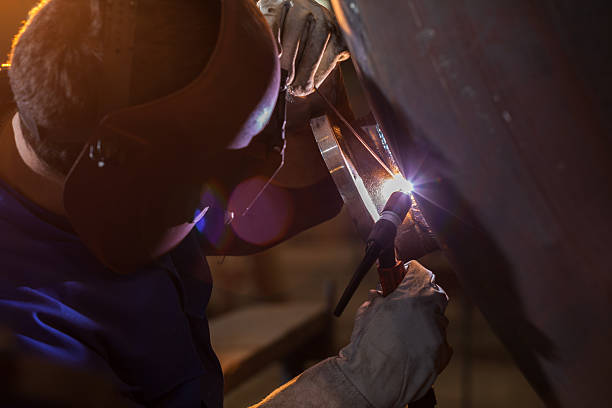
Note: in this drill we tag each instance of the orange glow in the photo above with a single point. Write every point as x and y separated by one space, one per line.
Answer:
25 25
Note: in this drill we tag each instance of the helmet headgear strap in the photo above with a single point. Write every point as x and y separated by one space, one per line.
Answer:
119 28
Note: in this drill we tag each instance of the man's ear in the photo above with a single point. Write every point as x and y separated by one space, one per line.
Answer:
30 158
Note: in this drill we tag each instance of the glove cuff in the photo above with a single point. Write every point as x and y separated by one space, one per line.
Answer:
323 385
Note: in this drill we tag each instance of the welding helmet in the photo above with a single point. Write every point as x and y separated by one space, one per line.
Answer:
132 194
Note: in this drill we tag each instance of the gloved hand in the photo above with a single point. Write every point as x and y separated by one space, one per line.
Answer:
398 346
309 41
397 349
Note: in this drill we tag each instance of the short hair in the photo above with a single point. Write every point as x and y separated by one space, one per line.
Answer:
56 60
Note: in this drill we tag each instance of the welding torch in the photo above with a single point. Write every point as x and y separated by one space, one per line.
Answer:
381 245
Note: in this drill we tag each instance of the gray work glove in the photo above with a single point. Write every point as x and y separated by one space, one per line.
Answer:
399 346
309 41
397 350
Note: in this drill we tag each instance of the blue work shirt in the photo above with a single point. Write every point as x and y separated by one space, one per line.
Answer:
147 331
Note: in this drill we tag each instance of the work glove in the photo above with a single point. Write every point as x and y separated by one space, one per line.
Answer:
398 345
309 41
397 349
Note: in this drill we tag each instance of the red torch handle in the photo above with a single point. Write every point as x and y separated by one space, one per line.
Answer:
390 278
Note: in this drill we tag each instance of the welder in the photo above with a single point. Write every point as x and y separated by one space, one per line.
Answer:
141 142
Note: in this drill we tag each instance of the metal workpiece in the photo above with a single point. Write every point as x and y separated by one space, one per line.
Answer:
365 186
506 104
350 185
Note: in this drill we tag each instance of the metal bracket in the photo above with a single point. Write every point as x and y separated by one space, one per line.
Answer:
350 186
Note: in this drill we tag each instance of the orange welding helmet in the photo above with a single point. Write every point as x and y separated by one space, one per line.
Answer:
132 195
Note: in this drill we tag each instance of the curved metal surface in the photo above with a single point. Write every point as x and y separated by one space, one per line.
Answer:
350 186
489 102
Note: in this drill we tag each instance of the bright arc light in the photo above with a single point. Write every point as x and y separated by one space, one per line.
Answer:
397 183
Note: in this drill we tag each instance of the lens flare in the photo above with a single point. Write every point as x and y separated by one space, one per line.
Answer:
397 183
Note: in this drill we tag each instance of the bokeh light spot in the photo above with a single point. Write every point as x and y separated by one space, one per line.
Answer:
268 219
199 219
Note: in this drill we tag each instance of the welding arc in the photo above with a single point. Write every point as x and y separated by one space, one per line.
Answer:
356 134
